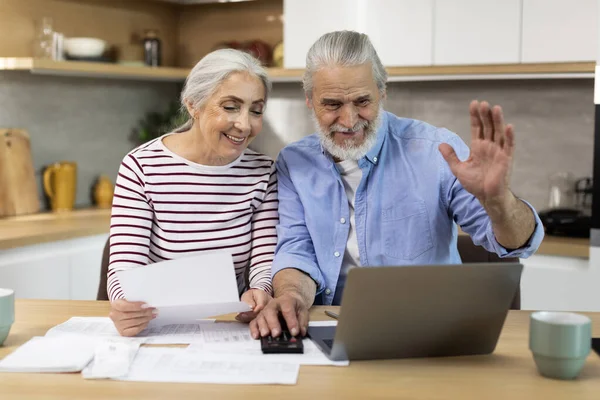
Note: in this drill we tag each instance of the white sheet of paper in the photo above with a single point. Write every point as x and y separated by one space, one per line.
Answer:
186 289
103 327
112 359
86 326
50 354
251 352
232 341
204 278
191 314
154 364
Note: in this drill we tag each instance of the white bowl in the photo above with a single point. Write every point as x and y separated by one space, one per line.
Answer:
84 47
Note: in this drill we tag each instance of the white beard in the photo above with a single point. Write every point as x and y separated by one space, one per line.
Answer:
348 151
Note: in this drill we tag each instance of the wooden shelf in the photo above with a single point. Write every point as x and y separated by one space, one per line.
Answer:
92 69
451 72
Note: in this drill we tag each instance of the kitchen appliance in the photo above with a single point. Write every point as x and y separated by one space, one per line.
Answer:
18 189
568 217
60 183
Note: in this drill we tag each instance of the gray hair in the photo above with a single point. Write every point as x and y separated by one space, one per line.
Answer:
208 74
346 49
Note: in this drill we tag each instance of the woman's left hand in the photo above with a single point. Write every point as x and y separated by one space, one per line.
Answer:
257 299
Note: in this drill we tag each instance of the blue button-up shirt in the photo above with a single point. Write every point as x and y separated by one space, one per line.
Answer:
407 206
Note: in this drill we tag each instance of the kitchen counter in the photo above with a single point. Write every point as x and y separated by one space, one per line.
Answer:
48 227
565 247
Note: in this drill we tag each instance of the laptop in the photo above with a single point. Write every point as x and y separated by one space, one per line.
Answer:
420 311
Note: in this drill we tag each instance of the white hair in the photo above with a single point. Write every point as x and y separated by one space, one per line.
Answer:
346 49
208 74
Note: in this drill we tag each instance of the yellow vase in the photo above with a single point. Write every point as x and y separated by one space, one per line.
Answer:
103 192
60 184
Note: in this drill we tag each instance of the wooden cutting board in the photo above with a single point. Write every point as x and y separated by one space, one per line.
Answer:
18 188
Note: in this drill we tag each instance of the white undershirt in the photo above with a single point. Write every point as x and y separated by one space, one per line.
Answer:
351 175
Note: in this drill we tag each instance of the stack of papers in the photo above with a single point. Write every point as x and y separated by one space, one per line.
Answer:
50 354
185 292
220 352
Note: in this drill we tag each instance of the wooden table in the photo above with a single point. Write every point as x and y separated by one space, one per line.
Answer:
509 373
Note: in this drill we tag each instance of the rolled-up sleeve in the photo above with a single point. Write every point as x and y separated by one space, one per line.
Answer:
470 215
294 244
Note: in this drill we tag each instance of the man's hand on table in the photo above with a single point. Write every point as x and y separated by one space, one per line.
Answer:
293 310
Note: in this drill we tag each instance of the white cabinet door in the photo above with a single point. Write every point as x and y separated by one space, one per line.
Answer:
84 268
306 20
476 32
62 270
559 30
401 30
35 273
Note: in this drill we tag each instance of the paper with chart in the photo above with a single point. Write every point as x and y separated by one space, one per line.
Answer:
232 341
155 364
186 289
103 327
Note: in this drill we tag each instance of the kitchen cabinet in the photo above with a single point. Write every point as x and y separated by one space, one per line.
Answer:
559 284
62 270
306 20
401 30
36 276
559 30
476 32
84 269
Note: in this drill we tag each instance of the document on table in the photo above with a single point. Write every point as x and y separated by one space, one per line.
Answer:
187 289
155 364
50 354
103 327
232 341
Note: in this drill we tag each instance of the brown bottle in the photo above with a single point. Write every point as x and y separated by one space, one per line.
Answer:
152 49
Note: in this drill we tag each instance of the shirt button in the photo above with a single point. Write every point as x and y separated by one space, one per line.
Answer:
337 254
343 220
374 159
327 291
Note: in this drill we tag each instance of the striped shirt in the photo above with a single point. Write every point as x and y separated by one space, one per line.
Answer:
166 207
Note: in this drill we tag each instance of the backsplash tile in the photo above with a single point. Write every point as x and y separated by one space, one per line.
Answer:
85 120
553 122
89 121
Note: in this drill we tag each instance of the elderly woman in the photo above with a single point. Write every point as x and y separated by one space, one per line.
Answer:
200 188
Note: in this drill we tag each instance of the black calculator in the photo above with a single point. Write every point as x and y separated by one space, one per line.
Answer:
283 344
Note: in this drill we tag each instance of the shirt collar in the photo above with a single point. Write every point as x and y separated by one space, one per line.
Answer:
373 154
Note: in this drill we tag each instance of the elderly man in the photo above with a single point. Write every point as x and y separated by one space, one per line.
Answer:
372 189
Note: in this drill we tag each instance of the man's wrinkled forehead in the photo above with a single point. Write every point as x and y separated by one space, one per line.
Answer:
348 82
